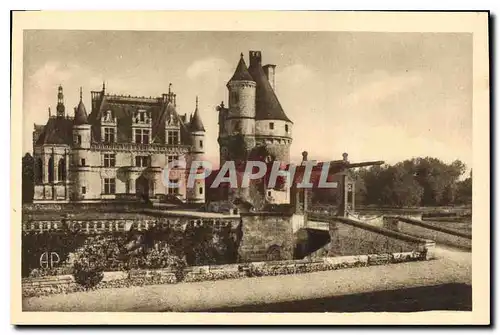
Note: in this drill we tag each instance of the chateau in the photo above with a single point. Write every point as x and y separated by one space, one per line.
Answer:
118 151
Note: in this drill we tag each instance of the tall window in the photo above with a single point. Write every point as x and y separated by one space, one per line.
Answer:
61 170
109 135
109 185
78 139
172 137
51 170
39 171
286 128
271 125
234 98
201 144
141 161
142 136
109 160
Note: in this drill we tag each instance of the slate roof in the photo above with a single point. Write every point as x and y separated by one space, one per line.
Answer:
241 72
58 130
196 124
80 114
267 105
123 110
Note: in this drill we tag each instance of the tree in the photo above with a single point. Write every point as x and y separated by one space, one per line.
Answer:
28 181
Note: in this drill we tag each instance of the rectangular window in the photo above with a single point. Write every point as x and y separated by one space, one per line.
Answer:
286 128
201 190
172 137
84 190
271 125
201 144
78 139
142 136
83 161
173 190
142 161
109 135
109 160
109 185
171 158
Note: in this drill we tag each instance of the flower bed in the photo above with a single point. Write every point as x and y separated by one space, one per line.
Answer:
42 286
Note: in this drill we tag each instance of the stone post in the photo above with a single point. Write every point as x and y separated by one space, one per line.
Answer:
45 168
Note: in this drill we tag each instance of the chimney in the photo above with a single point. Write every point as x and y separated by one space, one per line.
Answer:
255 58
270 71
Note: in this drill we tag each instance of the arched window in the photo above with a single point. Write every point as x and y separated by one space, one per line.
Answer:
61 170
51 170
39 170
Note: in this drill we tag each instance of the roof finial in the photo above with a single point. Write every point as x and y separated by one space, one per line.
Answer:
241 55
81 94
50 114
196 102
103 86
169 88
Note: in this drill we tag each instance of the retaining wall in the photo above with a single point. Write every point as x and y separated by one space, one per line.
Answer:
65 283
429 230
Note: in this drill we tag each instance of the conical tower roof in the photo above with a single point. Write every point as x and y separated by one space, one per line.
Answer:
241 72
196 124
80 112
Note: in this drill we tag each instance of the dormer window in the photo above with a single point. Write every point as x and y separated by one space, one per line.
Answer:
142 136
172 137
109 135
141 116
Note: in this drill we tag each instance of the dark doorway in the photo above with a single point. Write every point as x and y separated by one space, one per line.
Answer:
142 188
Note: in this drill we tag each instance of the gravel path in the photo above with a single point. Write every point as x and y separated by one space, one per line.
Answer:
451 266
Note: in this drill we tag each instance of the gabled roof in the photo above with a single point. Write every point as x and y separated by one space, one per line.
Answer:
267 105
241 72
58 130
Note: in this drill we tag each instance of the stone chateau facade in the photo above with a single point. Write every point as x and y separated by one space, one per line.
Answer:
118 151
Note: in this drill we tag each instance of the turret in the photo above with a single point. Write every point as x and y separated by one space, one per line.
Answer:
197 133
240 120
81 153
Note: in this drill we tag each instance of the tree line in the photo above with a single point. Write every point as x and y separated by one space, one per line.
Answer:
414 182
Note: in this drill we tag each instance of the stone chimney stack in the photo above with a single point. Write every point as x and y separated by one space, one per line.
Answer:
270 71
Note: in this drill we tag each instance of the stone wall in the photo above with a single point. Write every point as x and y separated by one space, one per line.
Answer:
350 237
66 283
429 230
266 236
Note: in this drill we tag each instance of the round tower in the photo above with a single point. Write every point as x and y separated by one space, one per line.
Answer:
81 153
197 132
240 120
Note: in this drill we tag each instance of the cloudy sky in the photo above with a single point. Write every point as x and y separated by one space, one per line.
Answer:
377 96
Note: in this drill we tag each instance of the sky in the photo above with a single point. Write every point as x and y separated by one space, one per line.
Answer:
376 96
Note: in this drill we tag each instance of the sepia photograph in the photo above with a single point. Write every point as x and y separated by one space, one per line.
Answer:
254 166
